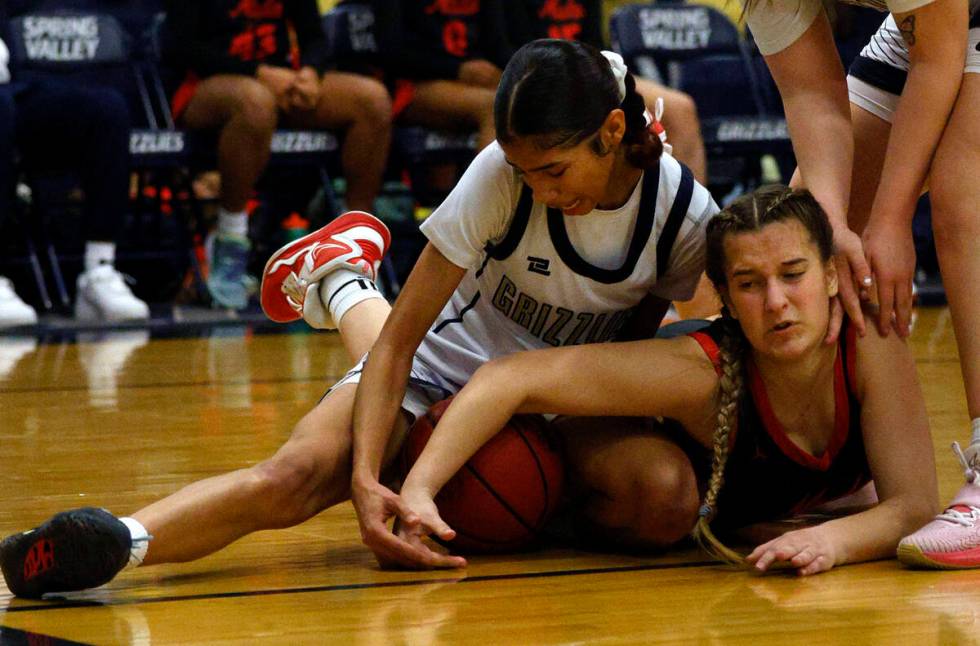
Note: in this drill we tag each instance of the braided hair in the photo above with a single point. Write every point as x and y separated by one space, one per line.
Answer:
752 212
559 92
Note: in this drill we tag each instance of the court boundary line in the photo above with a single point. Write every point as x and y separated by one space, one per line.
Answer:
342 587
176 384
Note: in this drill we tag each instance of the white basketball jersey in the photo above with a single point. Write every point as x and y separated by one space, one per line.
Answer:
538 279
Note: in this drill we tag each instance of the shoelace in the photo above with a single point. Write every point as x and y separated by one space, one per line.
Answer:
294 288
971 471
971 468
958 517
114 279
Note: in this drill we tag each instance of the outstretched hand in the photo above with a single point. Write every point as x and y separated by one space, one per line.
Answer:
430 524
375 504
808 551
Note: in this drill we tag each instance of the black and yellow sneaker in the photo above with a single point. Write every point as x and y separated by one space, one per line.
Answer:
74 550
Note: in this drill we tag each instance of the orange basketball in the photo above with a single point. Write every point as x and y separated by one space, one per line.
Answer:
503 496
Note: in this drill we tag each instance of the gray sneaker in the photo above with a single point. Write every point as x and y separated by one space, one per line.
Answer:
228 282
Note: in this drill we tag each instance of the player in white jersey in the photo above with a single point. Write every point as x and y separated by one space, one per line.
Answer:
553 237
915 118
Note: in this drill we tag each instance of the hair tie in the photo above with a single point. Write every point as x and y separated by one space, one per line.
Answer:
618 68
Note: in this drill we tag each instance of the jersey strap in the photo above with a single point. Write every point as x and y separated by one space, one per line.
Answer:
641 235
518 225
682 201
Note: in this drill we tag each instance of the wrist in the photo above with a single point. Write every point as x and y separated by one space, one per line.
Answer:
415 485
363 478
888 219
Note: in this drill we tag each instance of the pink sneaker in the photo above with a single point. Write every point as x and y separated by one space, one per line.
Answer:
952 540
355 240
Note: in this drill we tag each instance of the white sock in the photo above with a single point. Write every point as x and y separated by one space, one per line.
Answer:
342 289
232 223
140 542
99 253
976 431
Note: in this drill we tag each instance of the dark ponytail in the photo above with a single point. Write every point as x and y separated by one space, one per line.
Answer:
559 92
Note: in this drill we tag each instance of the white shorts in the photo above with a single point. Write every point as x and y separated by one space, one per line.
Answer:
425 388
877 77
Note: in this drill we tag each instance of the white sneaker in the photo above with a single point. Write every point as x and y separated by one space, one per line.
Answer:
103 295
14 311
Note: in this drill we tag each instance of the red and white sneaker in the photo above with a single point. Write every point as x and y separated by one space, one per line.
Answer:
356 241
952 540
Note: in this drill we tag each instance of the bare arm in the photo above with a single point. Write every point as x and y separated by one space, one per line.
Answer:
814 91
936 36
377 404
382 386
899 450
670 378
811 82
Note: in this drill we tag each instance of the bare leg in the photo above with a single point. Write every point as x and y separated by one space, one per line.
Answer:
361 325
681 122
245 112
641 490
870 142
308 474
450 105
956 205
360 106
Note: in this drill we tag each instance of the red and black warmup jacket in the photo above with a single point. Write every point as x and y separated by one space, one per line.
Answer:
211 37
430 39
769 477
566 19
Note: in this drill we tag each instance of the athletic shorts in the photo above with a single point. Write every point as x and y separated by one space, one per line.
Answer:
402 94
182 97
425 386
877 76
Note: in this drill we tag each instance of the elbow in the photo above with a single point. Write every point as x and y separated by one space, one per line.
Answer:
918 515
505 379
918 510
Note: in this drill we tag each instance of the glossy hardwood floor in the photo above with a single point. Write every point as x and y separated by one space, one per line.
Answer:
121 421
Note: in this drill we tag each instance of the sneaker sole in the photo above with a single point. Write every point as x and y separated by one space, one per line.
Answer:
913 556
73 536
316 236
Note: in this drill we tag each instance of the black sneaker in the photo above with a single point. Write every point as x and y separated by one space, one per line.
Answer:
74 550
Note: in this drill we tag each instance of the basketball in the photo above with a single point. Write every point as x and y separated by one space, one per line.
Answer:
503 496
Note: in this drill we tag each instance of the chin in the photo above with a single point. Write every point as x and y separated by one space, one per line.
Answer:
584 207
789 348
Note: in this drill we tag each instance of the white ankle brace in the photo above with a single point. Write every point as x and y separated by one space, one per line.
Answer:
341 290
140 542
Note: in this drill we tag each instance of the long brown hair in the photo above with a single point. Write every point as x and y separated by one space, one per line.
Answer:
752 212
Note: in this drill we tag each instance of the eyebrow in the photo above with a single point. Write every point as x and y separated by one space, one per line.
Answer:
532 170
785 264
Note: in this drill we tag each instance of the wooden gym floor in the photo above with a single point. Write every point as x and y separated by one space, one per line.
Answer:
122 420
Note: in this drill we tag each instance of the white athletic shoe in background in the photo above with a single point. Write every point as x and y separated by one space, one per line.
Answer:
14 311
103 295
